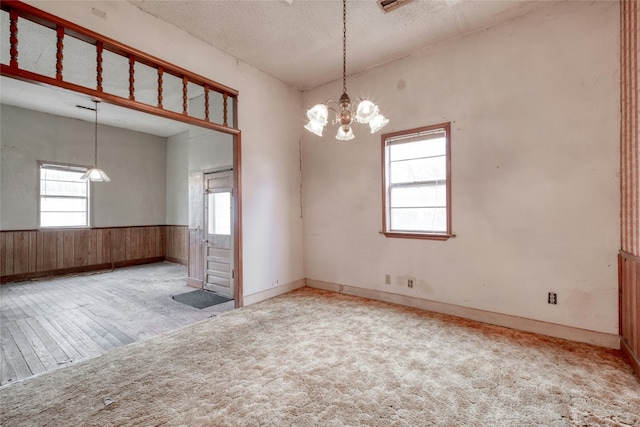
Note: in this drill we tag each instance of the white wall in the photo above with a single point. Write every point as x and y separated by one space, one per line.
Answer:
535 128
272 227
135 162
177 173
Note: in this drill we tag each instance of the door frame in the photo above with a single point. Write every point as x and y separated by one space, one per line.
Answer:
205 225
236 233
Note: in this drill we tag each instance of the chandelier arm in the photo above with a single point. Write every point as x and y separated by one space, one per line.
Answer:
329 101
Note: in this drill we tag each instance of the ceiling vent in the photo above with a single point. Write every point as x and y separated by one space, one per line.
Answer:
389 5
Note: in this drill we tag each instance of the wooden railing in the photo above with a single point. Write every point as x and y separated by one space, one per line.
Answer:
63 29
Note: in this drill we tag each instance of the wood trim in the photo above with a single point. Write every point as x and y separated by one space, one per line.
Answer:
417 235
422 236
195 283
76 270
113 99
195 268
629 304
629 127
237 230
275 291
632 358
48 20
514 322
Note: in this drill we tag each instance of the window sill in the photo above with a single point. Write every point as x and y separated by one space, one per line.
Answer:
423 236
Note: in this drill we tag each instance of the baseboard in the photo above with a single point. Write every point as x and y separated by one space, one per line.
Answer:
176 260
76 270
514 322
194 283
273 292
633 358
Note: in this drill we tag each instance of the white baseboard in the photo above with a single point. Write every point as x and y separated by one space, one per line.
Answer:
273 292
514 322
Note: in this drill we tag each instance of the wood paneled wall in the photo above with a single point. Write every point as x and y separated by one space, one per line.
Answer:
177 249
37 253
629 272
629 264
196 258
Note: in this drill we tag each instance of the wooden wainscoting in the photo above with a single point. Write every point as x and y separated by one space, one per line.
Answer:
629 276
177 249
38 253
195 266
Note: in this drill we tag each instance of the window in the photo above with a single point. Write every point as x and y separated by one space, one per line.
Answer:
219 213
64 197
417 183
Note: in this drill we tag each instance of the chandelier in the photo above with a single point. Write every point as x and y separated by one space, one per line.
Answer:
95 174
362 110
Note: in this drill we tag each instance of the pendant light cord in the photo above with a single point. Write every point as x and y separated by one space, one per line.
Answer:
95 164
344 46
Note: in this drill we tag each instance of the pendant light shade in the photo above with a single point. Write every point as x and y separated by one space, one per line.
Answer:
95 174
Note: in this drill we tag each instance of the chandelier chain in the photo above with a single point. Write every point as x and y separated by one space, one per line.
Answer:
344 46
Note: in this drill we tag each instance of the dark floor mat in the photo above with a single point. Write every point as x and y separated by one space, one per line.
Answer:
200 298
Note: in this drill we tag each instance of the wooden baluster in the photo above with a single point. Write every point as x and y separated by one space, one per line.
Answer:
206 102
13 38
132 62
59 49
99 48
185 101
160 72
224 110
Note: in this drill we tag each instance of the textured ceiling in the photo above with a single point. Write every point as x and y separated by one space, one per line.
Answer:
301 43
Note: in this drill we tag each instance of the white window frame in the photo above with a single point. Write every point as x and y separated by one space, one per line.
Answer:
407 136
70 167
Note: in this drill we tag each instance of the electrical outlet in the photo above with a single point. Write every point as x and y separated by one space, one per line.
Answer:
552 298
387 279
410 283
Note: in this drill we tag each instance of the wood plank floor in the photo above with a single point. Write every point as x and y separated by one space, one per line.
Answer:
48 324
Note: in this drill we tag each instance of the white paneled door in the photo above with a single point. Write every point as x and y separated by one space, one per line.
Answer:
218 245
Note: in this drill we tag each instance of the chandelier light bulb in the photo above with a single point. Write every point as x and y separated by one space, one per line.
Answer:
319 113
367 110
378 122
314 127
345 133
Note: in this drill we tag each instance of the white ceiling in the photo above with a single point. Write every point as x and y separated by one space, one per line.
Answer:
297 41
301 43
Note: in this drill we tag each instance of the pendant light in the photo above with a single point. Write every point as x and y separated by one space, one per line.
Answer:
95 174
362 110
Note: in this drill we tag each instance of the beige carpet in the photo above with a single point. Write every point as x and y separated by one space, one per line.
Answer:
314 358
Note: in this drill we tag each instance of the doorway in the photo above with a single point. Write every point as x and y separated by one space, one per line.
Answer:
219 269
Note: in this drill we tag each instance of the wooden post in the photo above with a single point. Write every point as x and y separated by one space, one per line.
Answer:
99 48
59 51
185 100
224 109
160 72
206 102
132 62
13 38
